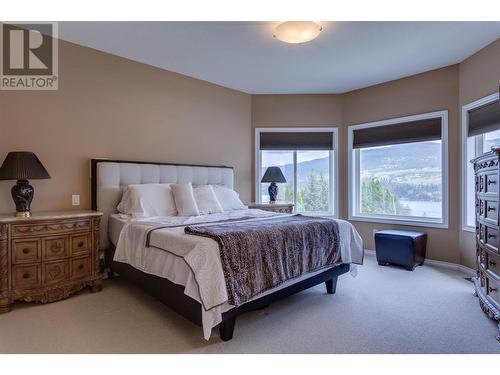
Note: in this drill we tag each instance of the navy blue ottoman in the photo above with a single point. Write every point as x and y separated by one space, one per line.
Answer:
400 247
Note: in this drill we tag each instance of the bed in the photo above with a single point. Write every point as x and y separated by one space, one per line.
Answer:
148 251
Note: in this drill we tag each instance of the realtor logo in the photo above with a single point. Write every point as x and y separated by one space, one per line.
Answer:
29 59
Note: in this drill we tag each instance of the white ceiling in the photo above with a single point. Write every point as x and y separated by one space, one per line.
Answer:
244 56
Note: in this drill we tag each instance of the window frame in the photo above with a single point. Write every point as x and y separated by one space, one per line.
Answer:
354 177
334 166
478 145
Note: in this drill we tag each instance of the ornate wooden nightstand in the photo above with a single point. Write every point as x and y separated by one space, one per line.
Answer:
48 256
274 207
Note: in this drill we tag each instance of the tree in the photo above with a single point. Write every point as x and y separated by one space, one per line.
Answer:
300 202
315 193
288 193
378 199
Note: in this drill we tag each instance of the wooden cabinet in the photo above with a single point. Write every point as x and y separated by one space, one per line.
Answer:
48 256
487 282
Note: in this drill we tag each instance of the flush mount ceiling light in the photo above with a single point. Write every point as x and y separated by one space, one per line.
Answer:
297 31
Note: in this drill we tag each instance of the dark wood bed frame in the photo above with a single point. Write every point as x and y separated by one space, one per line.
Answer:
173 295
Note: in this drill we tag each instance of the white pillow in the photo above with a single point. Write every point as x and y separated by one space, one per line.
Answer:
184 200
228 198
146 200
206 200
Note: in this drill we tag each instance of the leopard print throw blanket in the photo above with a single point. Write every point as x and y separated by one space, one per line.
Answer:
258 255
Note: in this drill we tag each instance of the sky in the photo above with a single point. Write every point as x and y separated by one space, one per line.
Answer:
279 158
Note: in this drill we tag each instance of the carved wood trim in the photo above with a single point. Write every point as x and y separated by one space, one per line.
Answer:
49 290
479 165
96 225
4 266
4 260
52 294
485 304
49 228
4 232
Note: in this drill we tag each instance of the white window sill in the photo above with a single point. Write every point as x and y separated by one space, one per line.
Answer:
467 228
328 214
409 222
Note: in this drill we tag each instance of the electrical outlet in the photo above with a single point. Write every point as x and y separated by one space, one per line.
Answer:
75 200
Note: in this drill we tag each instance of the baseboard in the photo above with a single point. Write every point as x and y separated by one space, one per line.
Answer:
439 263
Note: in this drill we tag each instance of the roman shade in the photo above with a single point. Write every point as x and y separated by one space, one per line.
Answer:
484 119
403 132
296 140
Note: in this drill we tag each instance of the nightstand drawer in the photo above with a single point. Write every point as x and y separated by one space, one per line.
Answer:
26 277
81 244
26 251
37 229
80 267
55 272
55 248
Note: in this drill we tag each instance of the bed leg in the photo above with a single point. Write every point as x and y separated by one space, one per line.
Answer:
331 285
226 329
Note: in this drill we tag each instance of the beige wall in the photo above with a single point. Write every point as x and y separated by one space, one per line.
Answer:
431 91
107 106
479 76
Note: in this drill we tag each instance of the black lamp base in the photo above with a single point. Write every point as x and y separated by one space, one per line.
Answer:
273 192
22 193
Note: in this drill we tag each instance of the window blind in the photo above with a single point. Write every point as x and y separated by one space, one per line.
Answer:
296 141
484 119
404 132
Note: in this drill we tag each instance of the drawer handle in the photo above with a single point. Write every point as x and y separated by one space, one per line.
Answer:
491 209
491 236
493 289
491 182
491 263
80 267
26 250
26 275
81 243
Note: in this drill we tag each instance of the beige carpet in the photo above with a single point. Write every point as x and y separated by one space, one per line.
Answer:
383 310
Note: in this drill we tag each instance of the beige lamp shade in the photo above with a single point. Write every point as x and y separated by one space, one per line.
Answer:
297 31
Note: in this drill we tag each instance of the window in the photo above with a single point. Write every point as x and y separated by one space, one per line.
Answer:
307 158
398 170
480 132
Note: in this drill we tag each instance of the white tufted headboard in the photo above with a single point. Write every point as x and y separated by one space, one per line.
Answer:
109 177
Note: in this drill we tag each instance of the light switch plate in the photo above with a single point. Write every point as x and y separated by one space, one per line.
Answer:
75 200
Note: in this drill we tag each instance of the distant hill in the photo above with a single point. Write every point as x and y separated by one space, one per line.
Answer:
304 168
423 156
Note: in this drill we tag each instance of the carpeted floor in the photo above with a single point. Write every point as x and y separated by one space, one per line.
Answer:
383 310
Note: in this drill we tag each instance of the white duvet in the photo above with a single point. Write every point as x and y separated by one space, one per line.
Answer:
194 262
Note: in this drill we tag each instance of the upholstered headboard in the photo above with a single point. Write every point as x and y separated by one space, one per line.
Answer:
109 177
